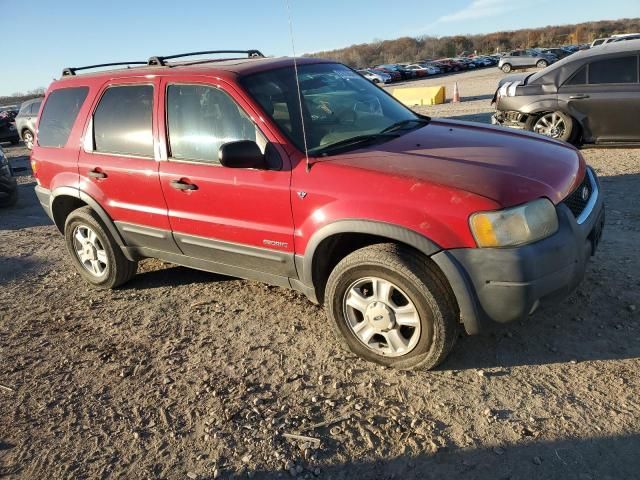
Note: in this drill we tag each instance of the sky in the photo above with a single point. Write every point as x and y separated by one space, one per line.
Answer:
59 33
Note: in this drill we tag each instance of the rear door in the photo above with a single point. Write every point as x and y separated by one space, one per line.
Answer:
605 96
118 166
235 220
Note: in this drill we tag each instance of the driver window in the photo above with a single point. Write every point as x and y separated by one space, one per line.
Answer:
200 119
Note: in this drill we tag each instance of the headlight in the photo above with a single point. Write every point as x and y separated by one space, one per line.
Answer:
515 226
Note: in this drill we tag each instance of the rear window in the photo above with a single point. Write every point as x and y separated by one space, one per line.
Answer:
35 107
59 115
122 121
614 70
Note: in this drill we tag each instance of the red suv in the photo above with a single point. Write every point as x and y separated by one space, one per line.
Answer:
308 176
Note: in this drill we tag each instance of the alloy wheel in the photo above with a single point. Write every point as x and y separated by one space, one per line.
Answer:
550 124
27 137
382 316
90 251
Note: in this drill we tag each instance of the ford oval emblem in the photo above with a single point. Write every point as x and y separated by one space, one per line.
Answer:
585 193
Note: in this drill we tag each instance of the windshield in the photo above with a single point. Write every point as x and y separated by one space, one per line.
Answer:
338 105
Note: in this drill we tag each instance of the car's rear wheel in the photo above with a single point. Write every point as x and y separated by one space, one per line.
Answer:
556 125
542 63
94 252
506 68
27 138
389 305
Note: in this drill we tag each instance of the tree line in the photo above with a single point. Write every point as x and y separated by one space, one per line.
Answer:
409 49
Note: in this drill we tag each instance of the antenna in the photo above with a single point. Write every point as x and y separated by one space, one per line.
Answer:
295 69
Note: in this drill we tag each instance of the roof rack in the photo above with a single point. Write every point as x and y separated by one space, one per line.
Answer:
161 61
72 70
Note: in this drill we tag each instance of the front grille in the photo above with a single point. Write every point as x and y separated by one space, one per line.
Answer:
578 199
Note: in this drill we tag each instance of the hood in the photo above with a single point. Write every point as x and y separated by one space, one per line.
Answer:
506 166
515 77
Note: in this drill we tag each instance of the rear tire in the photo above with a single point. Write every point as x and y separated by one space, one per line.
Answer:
409 301
542 64
506 68
94 252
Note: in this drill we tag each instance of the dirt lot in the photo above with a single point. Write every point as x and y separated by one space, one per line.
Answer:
183 374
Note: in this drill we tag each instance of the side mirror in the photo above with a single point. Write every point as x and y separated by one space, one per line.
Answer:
241 154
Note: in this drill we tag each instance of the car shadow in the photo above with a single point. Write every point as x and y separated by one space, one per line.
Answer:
174 276
15 268
596 457
484 117
26 213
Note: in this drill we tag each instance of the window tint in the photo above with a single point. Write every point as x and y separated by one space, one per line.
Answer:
614 70
579 78
59 115
201 119
35 108
122 121
24 109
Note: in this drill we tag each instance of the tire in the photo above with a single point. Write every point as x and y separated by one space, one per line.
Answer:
415 284
542 64
506 68
11 200
376 81
27 138
567 133
112 268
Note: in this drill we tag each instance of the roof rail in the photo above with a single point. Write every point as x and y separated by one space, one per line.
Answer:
160 61
72 70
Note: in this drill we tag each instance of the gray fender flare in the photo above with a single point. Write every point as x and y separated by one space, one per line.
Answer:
371 227
95 206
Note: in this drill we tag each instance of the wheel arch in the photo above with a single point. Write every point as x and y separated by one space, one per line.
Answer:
334 241
65 200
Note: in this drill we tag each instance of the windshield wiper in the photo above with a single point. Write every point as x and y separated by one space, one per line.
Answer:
357 141
405 123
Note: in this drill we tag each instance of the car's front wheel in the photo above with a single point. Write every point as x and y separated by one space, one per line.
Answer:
27 138
542 63
556 125
389 305
506 68
94 252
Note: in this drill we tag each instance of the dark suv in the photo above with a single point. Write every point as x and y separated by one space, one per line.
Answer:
310 177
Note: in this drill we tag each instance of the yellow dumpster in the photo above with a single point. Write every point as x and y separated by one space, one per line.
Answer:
420 95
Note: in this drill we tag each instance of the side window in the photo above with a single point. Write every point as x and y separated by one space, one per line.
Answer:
35 108
59 114
201 118
614 70
578 78
122 121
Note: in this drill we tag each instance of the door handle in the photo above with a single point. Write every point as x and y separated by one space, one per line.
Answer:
96 173
182 185
578 97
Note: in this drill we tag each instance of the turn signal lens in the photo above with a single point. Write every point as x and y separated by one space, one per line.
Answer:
519 225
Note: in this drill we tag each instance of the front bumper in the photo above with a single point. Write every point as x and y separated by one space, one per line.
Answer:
508 284
509 119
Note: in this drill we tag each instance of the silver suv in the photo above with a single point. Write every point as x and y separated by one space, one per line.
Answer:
26 121
525 59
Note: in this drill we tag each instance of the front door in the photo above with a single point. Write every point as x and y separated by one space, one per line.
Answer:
118 168
605 96
233 220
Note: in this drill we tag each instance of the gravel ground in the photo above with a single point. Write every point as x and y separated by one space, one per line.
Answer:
184 374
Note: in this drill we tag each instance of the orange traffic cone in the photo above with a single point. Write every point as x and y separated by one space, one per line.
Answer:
456 93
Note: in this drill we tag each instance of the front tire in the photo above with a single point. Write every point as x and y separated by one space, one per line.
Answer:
506 68
556 125
388 304
27 138
94 252
542 64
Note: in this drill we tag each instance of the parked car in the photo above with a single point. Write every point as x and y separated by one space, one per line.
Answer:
404 73
8 185
436 68
395 75
615 38
346 197
26 121
559 53
423 70
592 96
8 132
375 77
525 59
